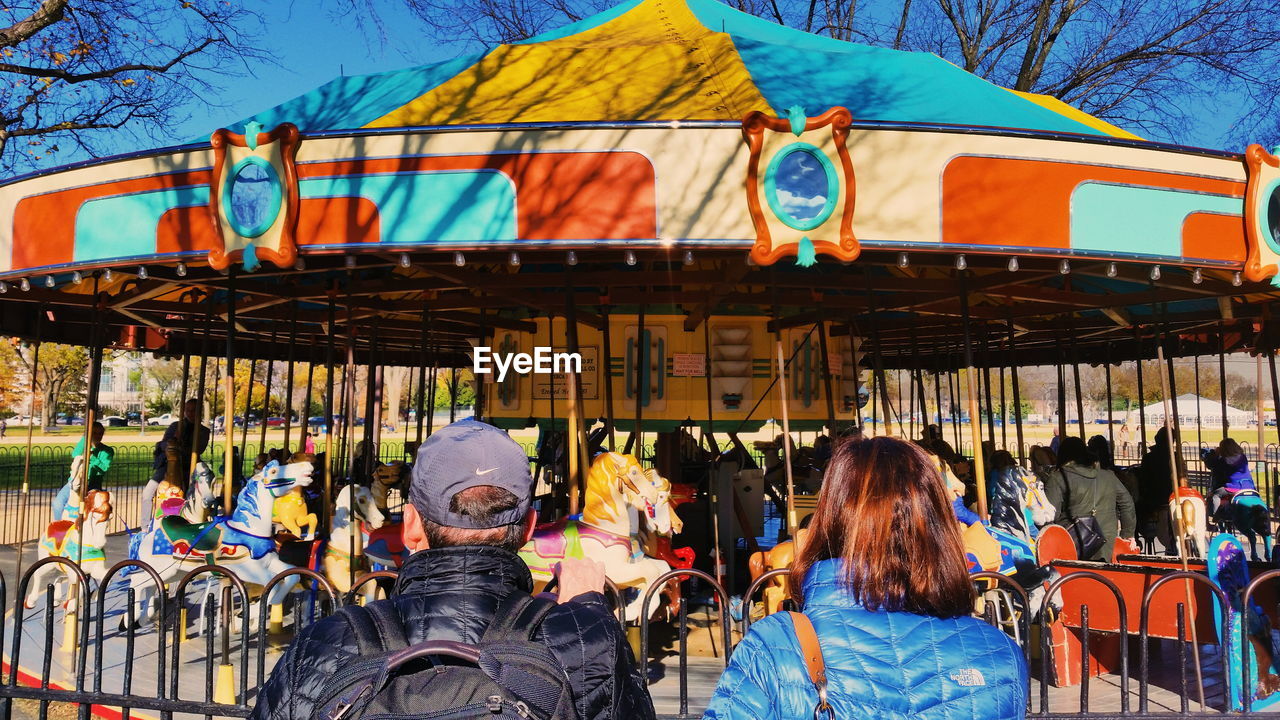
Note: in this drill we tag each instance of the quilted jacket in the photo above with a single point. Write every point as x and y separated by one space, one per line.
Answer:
452 594
880 665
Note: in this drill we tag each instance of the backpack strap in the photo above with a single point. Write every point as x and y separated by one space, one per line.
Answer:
811 653
518 617
377 627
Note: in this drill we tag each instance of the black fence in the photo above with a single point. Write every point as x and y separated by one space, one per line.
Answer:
202 655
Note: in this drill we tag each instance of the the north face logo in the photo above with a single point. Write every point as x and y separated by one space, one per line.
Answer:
968 677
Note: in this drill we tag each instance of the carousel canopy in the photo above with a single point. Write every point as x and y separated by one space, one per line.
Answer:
666 60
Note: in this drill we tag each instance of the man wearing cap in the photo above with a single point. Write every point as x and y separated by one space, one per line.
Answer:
468 513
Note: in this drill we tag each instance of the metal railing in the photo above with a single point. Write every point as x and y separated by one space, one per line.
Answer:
203 655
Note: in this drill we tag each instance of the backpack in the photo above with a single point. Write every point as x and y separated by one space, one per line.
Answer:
504 676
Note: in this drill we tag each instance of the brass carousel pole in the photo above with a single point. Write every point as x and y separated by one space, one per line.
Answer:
288 379
331 432
979 471
1017 390
786 440
228 396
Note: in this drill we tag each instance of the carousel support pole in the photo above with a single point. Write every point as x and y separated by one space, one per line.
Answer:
1222 377
1195 360
576 432
288 379
953 389
266 392
1017 390
1079 395
453 394
330 447
431 398
937 396
422 372
986 383
31 426
477 381
641 381
1180 481
826 377
1061 388
607 342
305 416
713 483
229 394
349 402
1275 388
979 471
1262 424
372 405
201 386
1111 431
786 443
1004 414
1142 412
248 406
918 372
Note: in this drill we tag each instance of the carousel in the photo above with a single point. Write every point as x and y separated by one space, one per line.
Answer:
740 231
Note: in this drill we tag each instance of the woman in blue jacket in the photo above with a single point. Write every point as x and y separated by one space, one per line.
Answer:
882 577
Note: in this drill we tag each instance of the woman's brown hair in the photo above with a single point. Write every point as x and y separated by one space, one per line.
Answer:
885 512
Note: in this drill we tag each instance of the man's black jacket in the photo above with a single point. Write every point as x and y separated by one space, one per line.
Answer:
452 594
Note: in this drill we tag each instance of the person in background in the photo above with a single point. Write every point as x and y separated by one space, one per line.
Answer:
1081 488
182 439
1125 434
1101 447
882 579
4 426
100 457
1155 488
1229 470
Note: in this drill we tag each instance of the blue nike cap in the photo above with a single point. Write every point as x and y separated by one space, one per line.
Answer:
463 455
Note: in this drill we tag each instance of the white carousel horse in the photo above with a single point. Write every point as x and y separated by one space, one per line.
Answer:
618 494
80 540
365 515
333 557
195 507
244 541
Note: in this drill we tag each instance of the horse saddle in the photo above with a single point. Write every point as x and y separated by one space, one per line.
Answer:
197 537
58 530
1247 497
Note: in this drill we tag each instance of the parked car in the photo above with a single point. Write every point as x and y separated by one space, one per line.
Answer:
275 422
115 421
165 419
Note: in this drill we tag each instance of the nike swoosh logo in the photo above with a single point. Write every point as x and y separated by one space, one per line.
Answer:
485 472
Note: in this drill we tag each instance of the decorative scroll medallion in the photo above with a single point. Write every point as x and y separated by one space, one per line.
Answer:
1262 215
254 196
800 186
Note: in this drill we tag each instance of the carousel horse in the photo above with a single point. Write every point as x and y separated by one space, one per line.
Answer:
355 505
778 589
290 510
80 540
244 540
1247 513
392 476
618 494
1188 504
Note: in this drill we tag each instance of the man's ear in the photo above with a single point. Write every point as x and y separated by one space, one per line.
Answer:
530 522
411 531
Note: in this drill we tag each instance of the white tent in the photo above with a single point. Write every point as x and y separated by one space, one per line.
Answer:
1210 413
